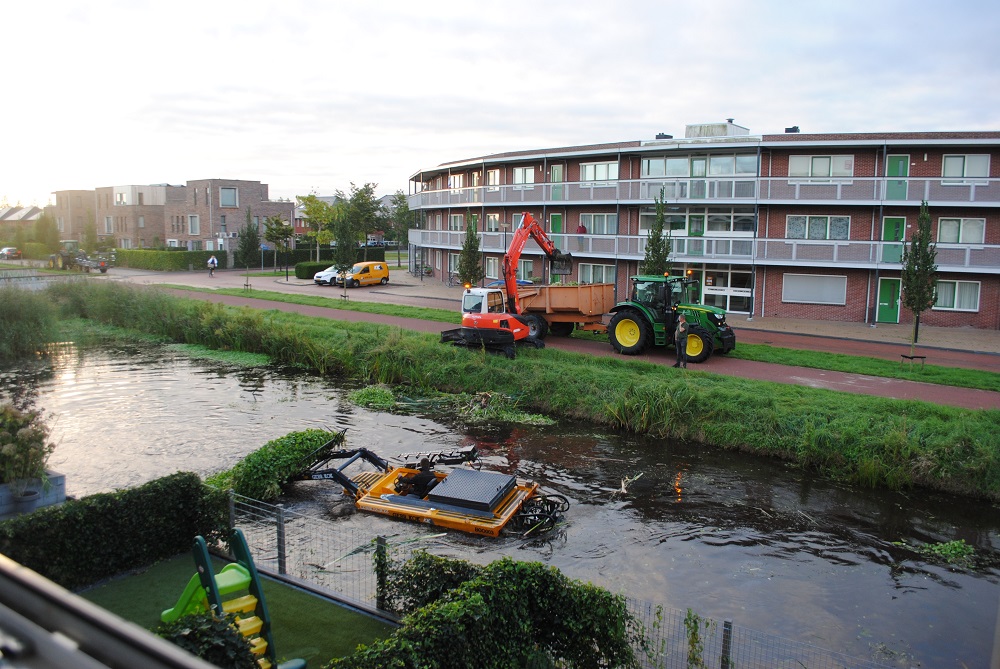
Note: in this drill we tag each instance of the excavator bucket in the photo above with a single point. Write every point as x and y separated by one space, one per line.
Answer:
561 264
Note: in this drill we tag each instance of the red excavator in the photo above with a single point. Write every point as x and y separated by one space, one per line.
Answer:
492 318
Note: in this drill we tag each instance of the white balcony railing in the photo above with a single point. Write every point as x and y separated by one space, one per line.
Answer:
863 190
740 250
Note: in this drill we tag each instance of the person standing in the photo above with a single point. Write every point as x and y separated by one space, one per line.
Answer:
212 264
681 341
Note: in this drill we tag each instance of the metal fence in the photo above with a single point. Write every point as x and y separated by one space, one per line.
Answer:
339 560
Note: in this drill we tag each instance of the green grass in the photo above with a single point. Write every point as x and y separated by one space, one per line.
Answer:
890 369
305 626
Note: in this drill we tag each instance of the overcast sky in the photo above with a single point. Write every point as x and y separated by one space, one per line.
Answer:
309 96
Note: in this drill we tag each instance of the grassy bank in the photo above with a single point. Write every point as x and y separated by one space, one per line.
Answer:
850 364
874 441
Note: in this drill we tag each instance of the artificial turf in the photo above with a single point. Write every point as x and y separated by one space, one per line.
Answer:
303 625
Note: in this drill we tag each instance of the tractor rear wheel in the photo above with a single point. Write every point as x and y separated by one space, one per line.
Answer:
700 345
629 332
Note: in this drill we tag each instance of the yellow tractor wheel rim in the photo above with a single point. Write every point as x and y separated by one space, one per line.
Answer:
695 346
627 332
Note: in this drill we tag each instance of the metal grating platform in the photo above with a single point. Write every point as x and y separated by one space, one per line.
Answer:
471 489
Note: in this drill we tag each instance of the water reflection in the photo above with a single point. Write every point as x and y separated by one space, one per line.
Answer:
740 538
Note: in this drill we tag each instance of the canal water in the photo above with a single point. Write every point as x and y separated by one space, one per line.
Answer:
730 536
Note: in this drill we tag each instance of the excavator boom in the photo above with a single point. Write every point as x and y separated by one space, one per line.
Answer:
529 229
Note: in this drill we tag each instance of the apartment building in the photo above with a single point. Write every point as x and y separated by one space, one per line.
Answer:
790 225
202 215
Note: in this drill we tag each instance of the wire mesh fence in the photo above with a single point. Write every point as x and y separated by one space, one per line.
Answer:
340 560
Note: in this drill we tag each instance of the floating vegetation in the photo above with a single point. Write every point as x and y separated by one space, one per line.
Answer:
498 407
379 398
952 552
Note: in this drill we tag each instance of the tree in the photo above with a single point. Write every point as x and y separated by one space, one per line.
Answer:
47 232
277 232
363 211
658 248
247 243
88 238
470 264
319 215
399 219
344 250
919 277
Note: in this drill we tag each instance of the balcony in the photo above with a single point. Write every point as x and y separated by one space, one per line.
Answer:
742 250
729 190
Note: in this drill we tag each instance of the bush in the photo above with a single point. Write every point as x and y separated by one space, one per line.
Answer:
215 640
509 614
83 541
261 474
29 323
166 260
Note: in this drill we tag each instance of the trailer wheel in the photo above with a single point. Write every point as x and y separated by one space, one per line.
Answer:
561 329
700 345
629 332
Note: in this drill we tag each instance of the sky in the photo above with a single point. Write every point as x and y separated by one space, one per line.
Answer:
310 96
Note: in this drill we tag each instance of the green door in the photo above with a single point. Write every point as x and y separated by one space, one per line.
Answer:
892 231
896 166
888 301
556 178
555 224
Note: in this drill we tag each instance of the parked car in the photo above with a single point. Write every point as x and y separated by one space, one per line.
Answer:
10 253
362 274
500 284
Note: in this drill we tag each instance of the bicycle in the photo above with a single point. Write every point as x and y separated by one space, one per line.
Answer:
453 280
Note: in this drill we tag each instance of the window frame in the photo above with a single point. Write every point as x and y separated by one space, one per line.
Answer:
809 226
224 202
492 267
595 179
588 269
965 179
193 224
456 222
588 218
813 176
962 221
840 278
524 177
492 222
957 283
492 180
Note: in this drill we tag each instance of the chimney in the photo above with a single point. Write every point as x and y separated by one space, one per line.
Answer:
663 135
794 128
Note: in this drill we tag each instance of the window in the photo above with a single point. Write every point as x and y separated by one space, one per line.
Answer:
120 199
524 177
222 222
228 197
142 222
456 181
492 222
194 226
524 268
718 165
814 289
965 167
109 226
141 200
453 259
597 273
957 295
961 230
818 227
492 267
493 180
599 172
821 167
456 221
600 224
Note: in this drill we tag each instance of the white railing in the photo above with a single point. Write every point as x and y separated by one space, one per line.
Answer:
867 190
741 250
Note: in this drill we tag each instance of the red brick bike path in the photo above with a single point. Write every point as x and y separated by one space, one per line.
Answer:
815 378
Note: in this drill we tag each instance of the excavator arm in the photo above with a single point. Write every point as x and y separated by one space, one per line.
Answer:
529 229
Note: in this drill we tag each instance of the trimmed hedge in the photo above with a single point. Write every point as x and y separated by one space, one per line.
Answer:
84 541
168 261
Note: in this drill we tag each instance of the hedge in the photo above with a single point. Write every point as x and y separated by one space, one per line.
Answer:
168 261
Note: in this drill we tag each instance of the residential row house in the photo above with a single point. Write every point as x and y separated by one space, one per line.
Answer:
202 215
789 225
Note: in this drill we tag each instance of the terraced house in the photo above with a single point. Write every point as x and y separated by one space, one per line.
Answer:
789 225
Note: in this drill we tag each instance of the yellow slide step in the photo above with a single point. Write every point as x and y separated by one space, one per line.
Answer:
258 645
244 604
264 663
249 626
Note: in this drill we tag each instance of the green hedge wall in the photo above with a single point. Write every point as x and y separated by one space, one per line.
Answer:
83 541
169 261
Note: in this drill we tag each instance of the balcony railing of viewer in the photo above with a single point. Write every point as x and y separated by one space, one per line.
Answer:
741 250
747 189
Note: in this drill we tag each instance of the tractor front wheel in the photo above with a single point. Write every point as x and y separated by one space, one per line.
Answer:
629 332
700 345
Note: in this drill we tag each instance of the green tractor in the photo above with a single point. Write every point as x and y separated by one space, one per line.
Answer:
649 318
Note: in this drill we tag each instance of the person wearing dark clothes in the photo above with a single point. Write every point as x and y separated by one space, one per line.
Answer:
420 483
681 341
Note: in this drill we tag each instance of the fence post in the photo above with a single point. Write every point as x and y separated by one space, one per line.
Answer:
232 509
381 571
280 528
727 644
